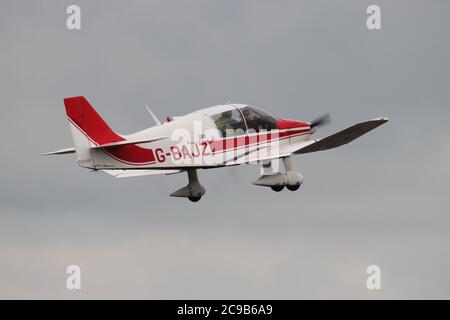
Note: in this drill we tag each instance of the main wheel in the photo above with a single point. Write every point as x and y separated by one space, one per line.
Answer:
293 187
194 199
277 188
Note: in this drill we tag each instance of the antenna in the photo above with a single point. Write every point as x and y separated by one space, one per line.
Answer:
155 118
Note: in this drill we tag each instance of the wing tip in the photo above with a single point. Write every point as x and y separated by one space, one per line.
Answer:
381 119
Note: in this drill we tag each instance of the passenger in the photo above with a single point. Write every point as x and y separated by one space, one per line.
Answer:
252 122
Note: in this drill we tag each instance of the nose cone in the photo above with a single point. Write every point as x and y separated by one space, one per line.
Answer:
289 124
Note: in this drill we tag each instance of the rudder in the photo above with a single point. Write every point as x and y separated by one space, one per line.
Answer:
88 129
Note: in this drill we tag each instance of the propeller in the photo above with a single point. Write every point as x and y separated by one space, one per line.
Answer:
322 120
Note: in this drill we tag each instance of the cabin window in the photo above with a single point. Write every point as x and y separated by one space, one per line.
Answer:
229 123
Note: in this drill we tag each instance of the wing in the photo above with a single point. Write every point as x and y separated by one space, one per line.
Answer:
273 151
136 173
342 137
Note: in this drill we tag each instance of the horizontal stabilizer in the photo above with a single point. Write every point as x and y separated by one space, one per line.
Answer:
62 151
127 142
136 173
342 137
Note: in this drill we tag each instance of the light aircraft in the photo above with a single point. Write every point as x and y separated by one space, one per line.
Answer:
219 136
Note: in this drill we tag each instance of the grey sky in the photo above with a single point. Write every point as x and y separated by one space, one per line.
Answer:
381 200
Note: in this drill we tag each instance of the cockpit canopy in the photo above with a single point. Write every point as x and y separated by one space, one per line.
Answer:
230 123
234 120
257 119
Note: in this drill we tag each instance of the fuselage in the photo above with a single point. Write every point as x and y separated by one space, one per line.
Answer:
212 137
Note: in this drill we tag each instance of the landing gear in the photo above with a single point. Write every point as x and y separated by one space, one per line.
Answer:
294 178
291 187
291 179
194 199
194 190
277 188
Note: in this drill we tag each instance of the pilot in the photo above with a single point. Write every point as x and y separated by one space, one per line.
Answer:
225 122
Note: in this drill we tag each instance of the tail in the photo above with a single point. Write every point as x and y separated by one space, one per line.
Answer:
88 129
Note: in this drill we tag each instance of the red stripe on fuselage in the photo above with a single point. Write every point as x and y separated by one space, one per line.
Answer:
229 144
129 154
134 155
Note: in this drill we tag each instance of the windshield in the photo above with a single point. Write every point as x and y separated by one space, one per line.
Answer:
258 119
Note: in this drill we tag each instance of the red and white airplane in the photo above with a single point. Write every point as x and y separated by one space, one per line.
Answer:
219 136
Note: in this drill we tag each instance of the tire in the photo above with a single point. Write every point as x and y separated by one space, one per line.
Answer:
293 187
277 188
194 199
